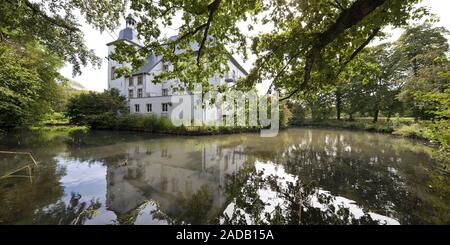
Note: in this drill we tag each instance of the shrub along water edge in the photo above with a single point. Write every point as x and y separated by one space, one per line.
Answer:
155 124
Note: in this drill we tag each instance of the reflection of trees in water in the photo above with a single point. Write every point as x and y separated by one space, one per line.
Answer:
294 203
377 174
19 198
243 190
372 170
196 210
383 174
130 217
40 202
94 138
75 212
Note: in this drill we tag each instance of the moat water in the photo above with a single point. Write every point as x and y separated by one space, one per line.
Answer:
302 176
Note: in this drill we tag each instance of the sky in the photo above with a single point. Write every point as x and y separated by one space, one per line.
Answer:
96 79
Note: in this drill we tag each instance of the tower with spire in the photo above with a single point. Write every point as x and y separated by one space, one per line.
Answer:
131 22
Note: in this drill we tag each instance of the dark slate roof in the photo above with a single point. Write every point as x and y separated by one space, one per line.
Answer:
128 34
152 61
238 65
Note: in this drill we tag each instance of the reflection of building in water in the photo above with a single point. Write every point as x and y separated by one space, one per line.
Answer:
169 172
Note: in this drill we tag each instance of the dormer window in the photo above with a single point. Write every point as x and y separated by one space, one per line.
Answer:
229 79
165 67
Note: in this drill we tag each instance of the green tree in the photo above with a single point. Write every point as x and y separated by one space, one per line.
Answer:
28 82
36 39
353 97
66 89
93 108
383 84
424 51
371 82
426 89
54 25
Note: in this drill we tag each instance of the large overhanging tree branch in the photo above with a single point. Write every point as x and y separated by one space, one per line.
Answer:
348 18
212 8
306 37
341 66
53 20
200 49
360 48
55 25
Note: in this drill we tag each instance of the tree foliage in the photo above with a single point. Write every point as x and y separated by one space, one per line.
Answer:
28 82
424 51
54 25
310 40
36 39
84 108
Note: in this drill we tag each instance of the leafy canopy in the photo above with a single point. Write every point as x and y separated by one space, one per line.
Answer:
310 42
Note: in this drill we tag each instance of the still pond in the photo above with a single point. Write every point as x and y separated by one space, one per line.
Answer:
302 176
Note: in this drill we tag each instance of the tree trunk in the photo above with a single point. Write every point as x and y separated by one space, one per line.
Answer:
376 107
338 104
375 115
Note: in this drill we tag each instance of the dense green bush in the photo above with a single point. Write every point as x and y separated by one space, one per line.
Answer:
285 116
96 109
28 81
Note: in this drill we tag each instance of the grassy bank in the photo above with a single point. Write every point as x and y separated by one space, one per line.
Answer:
405 127
436 132
156 124
381 127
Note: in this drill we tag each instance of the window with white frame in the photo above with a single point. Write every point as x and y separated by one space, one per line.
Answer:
136 108
130 81
165 92
149 107
130 93
140 80
139 93
165 107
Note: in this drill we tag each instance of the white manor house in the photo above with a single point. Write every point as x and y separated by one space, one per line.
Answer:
145 97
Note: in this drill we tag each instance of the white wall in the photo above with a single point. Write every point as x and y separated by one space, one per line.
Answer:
156 105
119 83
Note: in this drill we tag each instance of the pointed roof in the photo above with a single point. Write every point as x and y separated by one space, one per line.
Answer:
129 33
